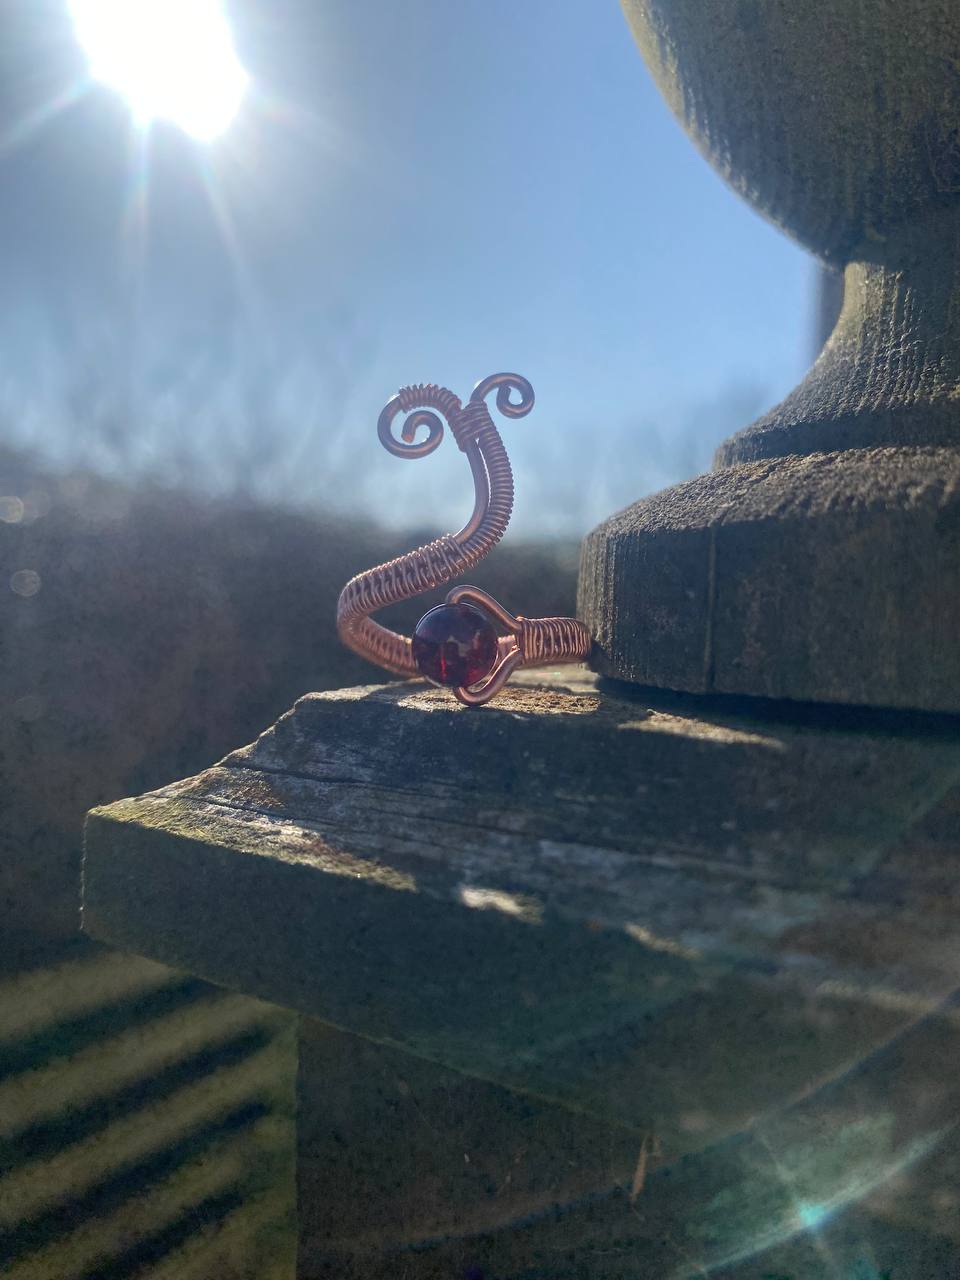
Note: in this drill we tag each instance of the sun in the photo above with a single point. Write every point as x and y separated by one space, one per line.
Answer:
171 59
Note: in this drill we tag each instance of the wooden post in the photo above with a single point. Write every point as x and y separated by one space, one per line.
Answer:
641 985
821 558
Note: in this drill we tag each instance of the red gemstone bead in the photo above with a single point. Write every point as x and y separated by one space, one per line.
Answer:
454 645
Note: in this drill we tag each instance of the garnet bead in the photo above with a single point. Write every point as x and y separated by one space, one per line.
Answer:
454 645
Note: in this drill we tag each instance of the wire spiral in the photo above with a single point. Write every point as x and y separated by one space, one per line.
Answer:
423 398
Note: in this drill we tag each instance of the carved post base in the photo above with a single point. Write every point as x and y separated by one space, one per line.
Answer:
831 577
821 559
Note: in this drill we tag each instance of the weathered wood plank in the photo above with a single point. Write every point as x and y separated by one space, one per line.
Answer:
559 893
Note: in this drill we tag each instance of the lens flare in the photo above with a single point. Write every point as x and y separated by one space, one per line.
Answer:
170 59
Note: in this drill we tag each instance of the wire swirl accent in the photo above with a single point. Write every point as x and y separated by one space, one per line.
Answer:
531 640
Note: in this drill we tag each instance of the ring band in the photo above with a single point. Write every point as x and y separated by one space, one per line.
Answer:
456 644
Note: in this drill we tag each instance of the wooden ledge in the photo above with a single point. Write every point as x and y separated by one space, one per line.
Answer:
546 891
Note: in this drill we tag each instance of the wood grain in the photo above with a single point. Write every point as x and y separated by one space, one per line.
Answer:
524 893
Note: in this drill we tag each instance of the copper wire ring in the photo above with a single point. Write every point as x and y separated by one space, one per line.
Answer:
529 641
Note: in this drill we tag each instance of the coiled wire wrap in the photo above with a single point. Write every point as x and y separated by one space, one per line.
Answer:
543 640
428 406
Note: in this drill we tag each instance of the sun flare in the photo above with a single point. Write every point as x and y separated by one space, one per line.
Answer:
171 59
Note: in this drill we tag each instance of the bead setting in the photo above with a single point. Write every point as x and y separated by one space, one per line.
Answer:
454 646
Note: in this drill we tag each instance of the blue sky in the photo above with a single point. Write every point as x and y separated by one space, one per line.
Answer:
416 192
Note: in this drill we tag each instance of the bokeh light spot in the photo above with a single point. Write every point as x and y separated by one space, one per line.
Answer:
25 582
812 1215
11 510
